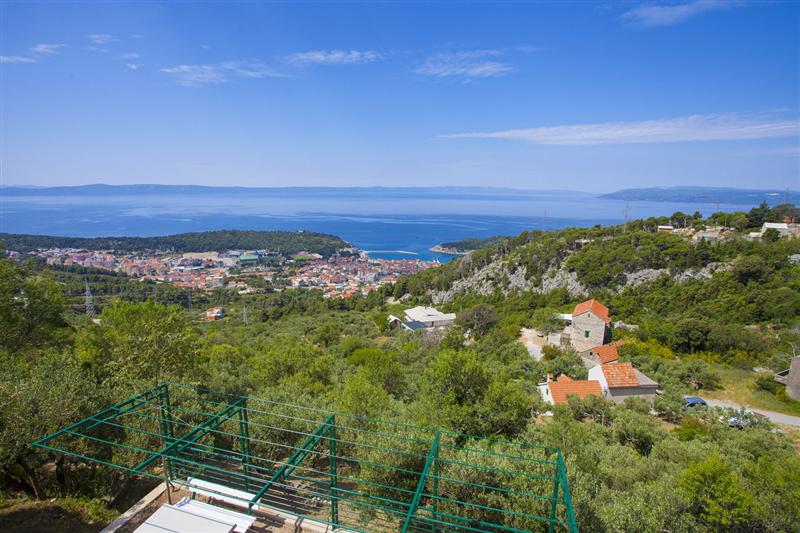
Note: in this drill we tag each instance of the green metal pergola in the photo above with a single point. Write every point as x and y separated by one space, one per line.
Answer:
349 472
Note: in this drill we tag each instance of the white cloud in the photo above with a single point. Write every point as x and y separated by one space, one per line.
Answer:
714 127
649 15
467 64
133 66
16 59
199 75
101 38
43 48
333 57
129 55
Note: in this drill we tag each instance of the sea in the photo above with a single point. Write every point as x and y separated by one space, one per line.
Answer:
385 223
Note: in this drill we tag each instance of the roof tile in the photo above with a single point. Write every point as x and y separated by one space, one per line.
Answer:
595 307
620 375
565 386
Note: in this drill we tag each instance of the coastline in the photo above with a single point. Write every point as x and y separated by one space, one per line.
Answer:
447 251
406 252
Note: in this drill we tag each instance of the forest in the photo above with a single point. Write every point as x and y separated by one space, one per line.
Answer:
284 242
632 467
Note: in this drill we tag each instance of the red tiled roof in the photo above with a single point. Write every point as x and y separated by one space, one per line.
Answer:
565 386
620 375
608 353
595 307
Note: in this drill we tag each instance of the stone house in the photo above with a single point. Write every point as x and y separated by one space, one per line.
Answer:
590 325
600 355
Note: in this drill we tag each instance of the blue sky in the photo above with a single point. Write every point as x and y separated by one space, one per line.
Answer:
588 96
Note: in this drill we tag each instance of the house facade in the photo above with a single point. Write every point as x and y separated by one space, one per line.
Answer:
215 313
600 355
590 325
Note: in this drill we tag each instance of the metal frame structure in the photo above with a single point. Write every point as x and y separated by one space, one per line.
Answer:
352 473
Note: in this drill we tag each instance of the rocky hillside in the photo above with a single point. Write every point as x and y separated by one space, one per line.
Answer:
583 260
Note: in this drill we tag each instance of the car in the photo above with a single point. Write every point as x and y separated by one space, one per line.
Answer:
694 401
742 418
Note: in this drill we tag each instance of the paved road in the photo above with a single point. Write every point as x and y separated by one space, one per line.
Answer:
778 418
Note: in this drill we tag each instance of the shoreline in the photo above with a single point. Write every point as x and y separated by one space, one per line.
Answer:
447 251
406 252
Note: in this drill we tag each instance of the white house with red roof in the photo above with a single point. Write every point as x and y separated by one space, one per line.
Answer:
215 313
620 380
557 391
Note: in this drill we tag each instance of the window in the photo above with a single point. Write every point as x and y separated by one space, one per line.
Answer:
586 333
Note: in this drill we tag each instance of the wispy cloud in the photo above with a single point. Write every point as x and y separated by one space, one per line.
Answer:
16 59
465 64
333 57
44 49
227 71
133 66
129 55
650 15
101 38
713 127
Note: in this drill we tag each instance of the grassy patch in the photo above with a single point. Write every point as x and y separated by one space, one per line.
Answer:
75 515
738 386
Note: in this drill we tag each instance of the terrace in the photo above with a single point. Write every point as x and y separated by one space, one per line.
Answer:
328 470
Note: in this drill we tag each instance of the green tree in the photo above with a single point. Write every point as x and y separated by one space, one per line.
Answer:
716 494
771 235
137 343
504 410
38 397
31 308
546 321
478 319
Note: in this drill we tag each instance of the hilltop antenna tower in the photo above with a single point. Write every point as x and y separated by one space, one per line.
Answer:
88 301
627 214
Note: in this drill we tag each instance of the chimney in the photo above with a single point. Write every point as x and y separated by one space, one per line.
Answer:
549 378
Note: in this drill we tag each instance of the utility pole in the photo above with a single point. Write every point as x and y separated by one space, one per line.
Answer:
88 301
544 221
244 315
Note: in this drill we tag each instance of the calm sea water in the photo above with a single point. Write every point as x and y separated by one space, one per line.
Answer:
381 224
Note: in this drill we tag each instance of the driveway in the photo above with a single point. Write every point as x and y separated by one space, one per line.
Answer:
778 418
533 342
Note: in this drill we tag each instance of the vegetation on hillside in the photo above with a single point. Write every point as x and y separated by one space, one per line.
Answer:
629 470
472 243
284 242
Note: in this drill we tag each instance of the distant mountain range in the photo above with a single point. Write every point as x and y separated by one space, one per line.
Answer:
722 195
100 189
710 195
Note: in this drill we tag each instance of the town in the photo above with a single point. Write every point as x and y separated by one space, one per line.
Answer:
344 274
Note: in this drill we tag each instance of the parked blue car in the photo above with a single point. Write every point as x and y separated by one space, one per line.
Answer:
694 401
